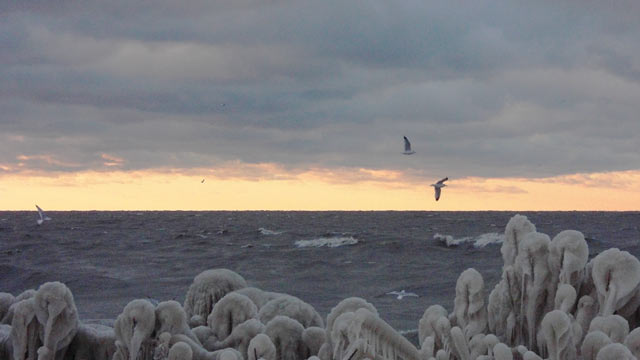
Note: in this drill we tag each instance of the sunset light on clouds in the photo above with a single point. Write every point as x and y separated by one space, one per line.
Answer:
269 187
291 106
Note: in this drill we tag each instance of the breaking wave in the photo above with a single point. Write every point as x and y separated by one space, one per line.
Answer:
327 241
264 231
479 241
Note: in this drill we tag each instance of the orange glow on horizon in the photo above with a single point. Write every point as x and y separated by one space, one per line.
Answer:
272 187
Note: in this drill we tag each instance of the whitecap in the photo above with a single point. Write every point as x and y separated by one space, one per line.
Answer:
479 241
264 231
488 239
408 332
449 240
327 241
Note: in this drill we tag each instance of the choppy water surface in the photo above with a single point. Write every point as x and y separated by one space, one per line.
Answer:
110 258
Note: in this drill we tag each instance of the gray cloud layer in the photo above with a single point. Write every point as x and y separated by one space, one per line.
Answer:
482 88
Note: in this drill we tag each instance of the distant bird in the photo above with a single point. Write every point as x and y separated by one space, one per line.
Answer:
438 186
401 294
43 216
407 147
202 182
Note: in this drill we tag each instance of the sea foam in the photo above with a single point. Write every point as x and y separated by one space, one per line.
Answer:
479 241
327 241
264 231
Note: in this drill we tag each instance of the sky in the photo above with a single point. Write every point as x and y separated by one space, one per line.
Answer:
302 105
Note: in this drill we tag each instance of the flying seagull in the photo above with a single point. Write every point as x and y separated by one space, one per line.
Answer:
43 216
401 294
438 186
407 147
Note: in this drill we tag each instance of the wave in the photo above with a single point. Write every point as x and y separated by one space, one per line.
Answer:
328 242
408 332
479 241
264 231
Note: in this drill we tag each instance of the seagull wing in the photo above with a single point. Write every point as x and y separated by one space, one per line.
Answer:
407 145
43 217
437 193
443 180
40 212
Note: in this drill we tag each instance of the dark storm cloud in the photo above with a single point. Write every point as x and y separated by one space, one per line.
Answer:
482 88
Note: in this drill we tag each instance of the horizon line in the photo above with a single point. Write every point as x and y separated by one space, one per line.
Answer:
307 210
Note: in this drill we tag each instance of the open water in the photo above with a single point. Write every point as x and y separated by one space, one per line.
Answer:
110 258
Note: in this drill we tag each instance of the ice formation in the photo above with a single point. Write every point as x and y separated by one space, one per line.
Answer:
171 318
348 305
568 255
586 311
230 311
25 330
565 298
8 316
550 303
207 288
469 309
56 312
163 344
593 343
558 335
180 351
632 341
6 348
616 275
427 324
6 300
314 337
241 336
261 347
93 342
615 351
292 307
133 329
517 227
614 326
258 296
502 352
286 334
